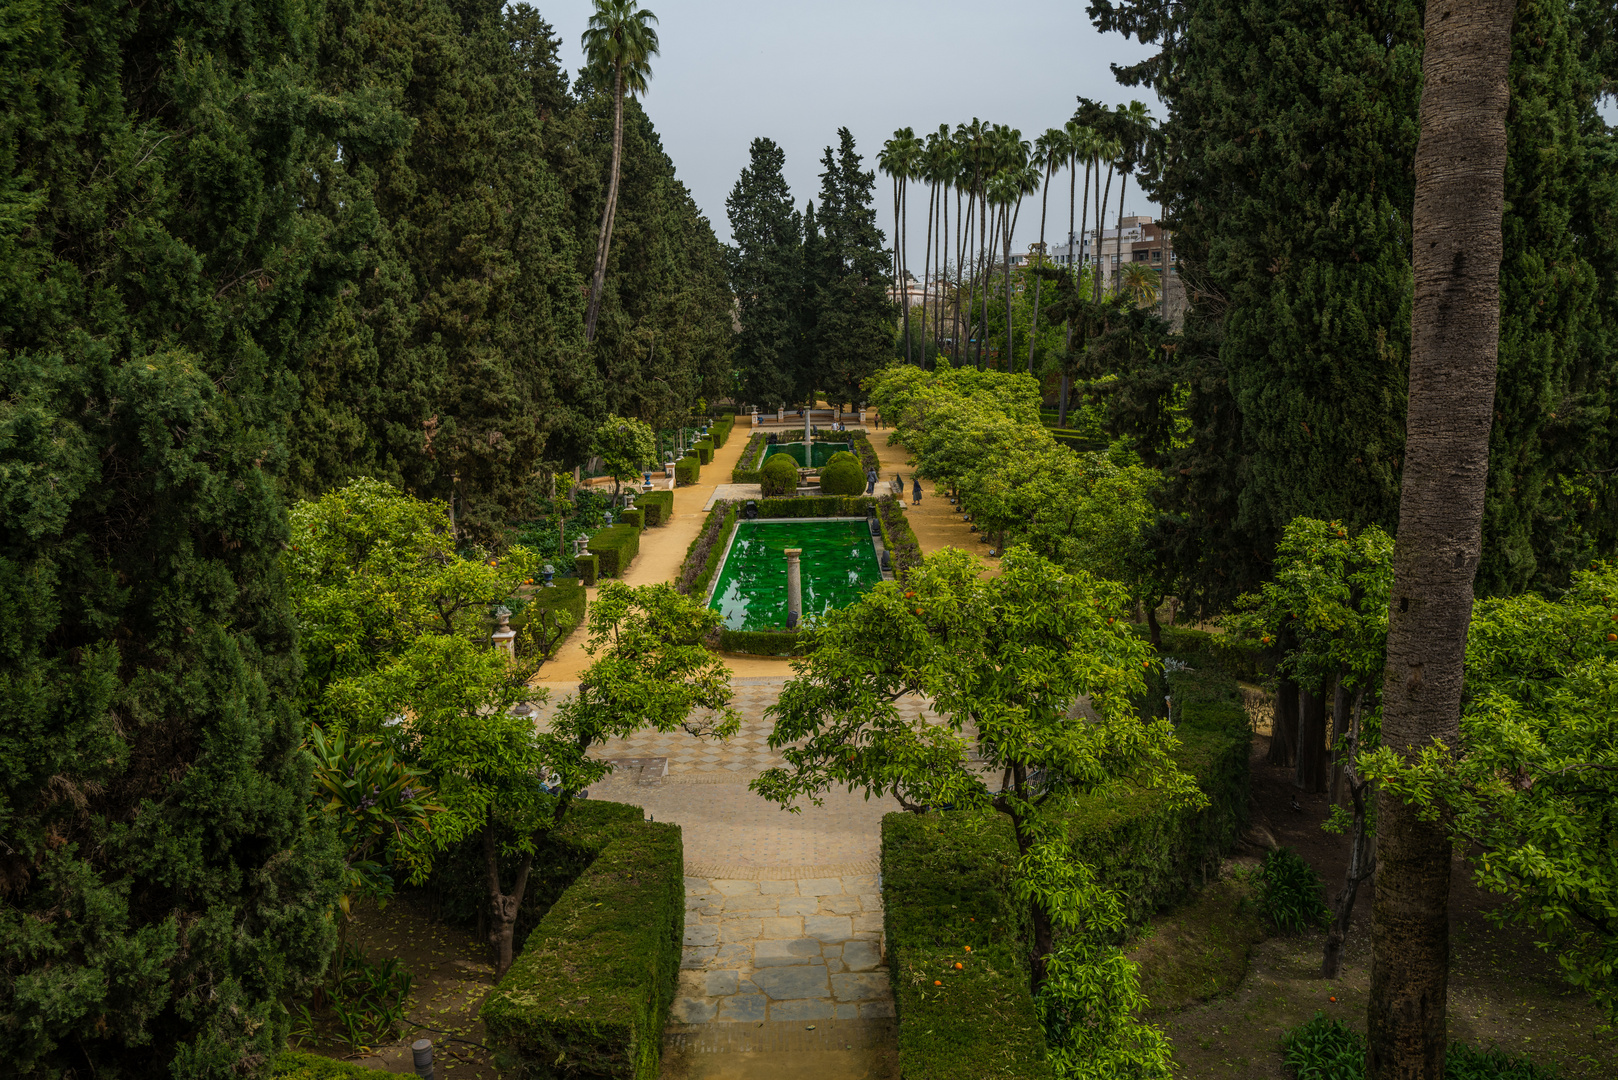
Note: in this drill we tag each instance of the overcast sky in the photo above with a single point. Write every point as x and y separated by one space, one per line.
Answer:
733 70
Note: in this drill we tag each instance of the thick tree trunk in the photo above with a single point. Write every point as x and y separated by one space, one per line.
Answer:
503 907
1103 198
1284 728
608 212
1339 732
1455 317
1153 627
1310 771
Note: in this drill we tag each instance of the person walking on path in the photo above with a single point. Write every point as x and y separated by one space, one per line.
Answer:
915 495
870 481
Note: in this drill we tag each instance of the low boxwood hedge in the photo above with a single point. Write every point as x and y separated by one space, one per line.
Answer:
904 550
703 448
658 505
565 594
633 515
687 470
747 466
587 567
616 546
940 870
720 430
759 642
590 993
297 1065
702 557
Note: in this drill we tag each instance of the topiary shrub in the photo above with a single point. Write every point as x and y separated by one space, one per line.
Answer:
779 476
635 517
703 448
686 471
615 547
842 475
587 567
658 505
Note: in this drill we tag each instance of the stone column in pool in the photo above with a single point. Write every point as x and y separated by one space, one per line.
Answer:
794 588
808 440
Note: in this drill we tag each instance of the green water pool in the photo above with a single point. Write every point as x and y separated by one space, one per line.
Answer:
838 564
822 453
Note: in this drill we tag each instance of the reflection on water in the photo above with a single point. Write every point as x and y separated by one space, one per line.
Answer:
823 452
838 564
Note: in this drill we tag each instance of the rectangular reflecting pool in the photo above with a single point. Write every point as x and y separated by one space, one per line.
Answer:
839 562
822 452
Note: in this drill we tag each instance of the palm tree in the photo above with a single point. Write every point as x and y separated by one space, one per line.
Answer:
619 39
1134 124
945 169
1082 142
901 159
1051 149
1454 348
1107 150
932 169
1140 282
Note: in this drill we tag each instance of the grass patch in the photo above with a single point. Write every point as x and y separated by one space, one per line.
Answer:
1199 950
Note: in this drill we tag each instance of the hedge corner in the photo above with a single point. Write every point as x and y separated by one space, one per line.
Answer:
687 470
591 992
616 547
658 505
587 567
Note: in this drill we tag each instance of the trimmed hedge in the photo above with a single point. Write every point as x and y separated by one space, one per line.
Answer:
720 430
704 451
297 1065
813 506
779 476
904 550
938 875
633 516
702 557
747 466
1200 649
590 994
861 444
616 546
565 594
687 470
759 642
587 568
658 505
941 869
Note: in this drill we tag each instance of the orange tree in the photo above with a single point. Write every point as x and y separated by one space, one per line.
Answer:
1003 660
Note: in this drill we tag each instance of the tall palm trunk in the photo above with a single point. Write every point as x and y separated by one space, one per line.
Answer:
926 263
1005 242
960 271
1454 346
904 259
1102 198
1123 186
943 260
1044 199
1078 273
962 276
608 212
983 263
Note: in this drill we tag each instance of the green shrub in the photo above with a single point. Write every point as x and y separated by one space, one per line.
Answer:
658 505
842 475
904 550
616 546
1324 1049
720 430
596 977
296 1065
703 448
587 568
945 886
812 506
779 476
759 642
687 470
1290 892
633 516
702 557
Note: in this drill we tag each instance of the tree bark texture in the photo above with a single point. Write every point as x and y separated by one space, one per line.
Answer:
608 212
1309 774
1284 726
503 907
1455 316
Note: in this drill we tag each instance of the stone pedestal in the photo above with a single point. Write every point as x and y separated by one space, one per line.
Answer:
794 588
504 637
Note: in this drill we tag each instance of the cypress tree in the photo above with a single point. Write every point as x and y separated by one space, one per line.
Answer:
162 892
766 270
854 318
